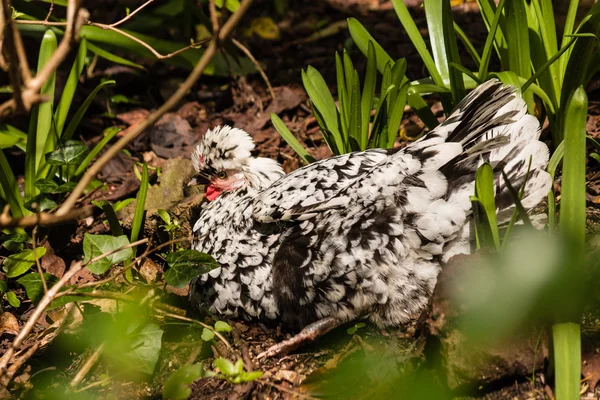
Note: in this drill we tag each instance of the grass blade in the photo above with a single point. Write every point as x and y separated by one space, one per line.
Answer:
368 95
555 160
567 359
517 38
396 111
484 192
468 45
343 95
62 110
140 204
290 139
10 188
100 52
112 132
489 41
353 141
45 141
415 36
420 107
362 38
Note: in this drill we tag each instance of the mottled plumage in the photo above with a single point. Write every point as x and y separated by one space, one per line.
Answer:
363 234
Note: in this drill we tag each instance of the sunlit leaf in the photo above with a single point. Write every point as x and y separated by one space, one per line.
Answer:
33 285
177 385
17 264
145 345
97 245
184 265
71 152
221 326
207 335
13 299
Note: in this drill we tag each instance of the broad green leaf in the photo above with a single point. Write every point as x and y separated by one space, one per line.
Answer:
71 152
225 366
97 245
13 300
13 242
42 203
11 136
33 285
222 326
3 286
145 345
290 139
177 385
207 335
362 38
184 265
164 216
46 186
17 264
250 376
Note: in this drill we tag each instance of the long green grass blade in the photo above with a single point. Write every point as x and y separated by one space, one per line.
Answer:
10 188
488 11
484 189
45 139
569 26
415 36
11 136
567 359
353 142
68 134
362 38
100 52
489 42
396 111
546 66
368 95
290 139
420 107
468 45
97 148
62 109
343 95
140 205
517 37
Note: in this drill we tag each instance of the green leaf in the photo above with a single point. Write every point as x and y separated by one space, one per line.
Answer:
33 285
225 366
368 95
221 326
354 139
517 38
43 203
97 245
207 335
17 264
177 384
138 215
13 242
566 338
184 265
3 286
164 216
487 227
13 300
46 186
250 376
362 38
71 152
487 48
146 345
45 134
290 139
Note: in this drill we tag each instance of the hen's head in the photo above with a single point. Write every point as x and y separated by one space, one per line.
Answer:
223 161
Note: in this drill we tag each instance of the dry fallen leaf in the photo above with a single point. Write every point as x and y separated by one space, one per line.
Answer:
9 324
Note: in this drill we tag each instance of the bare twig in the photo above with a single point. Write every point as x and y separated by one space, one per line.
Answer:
6 221
87 366
193 321
248 54
155 116
50 11
131 14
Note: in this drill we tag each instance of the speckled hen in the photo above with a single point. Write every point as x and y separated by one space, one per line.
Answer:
362 234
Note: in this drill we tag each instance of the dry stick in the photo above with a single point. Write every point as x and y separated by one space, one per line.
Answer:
182 318
153 117
131 14
248 54
87 366
12 57
6 221
37 259
50 295
50 11
5 380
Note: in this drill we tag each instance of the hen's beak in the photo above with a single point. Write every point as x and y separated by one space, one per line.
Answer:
198 180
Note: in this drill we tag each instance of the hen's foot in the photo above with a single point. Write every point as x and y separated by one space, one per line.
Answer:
308 334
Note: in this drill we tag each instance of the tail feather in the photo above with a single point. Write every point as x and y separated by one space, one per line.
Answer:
490 125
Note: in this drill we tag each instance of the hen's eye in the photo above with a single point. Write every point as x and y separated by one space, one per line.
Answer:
222 175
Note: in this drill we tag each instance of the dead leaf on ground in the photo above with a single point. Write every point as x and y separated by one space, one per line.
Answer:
149 270
51 263
590 365
9 324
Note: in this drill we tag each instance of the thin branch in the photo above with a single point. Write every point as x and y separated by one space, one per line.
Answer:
87 366
131 14
148 122
182 318
248 54
50 11
6 221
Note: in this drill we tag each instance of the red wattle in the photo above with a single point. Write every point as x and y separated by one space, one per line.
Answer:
211 192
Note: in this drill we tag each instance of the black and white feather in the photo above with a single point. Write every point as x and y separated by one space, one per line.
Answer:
366 233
